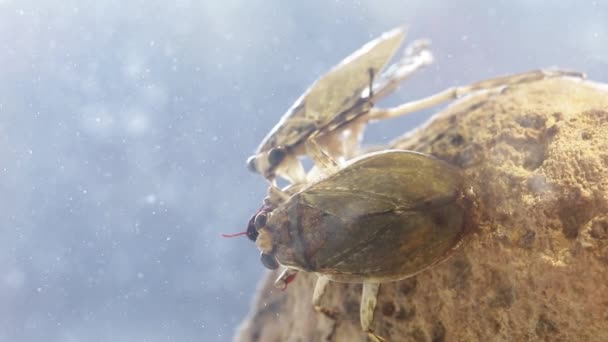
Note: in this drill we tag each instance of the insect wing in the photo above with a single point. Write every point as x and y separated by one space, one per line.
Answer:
391 246
385 215
406 179
338 90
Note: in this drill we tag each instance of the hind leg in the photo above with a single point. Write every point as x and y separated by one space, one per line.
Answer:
318 293
458 92
368 306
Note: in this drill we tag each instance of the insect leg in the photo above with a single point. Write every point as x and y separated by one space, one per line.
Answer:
276 196
368 306
292 170
285 278
326 163
416 56
351 138
458 92
318 293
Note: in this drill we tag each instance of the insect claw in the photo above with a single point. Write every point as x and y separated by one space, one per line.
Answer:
375 337
287 276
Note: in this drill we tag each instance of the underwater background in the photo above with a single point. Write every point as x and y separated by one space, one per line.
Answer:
125 126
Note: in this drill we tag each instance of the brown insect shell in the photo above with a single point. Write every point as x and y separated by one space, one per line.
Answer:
384 217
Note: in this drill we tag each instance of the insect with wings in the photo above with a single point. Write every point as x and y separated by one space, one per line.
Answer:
383 217
327 121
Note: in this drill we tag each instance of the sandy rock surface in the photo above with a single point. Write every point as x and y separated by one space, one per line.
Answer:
536 267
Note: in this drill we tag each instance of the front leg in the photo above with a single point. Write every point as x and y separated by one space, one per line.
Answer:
276 196
291 169
286 277
325 164
368 306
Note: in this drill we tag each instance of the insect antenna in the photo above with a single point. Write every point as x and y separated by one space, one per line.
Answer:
234 235
251 232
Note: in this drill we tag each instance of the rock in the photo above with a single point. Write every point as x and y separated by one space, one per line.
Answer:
536 268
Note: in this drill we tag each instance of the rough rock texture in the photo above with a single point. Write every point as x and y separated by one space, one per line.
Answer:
537 266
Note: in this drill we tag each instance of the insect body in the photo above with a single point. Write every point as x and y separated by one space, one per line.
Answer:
337 99
383 217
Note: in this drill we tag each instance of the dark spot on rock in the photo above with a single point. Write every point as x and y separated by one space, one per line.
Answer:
408 286
586 135
531 121
570 228
601 116
406 313
552 131
438 334
439 137
388 309
417 335
503 218
535 156
604 159
460 274
538 184
457 140
545 327
574 214
532 149
504 297
558 116
526 240
503 239
468 156
599 228
495 325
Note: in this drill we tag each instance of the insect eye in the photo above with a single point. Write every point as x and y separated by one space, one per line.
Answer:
260 220
251 164
252 232
269 261
276 156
